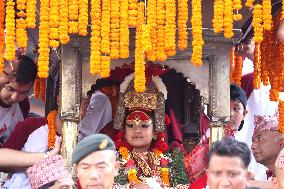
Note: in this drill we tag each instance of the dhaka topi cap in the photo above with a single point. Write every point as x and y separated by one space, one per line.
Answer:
90 144
47 170
236 92
265 123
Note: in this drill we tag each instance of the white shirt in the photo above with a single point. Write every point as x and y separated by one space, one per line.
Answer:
99 113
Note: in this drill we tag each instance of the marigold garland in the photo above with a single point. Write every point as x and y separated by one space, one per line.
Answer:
83 18
63 22
73 13
264 51
218 20
237 6
146 38
51 129
21 32
105 27
249 3
115 29
124 31
228 19
170 28
43 59
281 116
197 41
95 40
132 13
37 87
282 14
53 24
105 66
237 73
165 176
182 24
31 13
257 23
267 16
139 67
152 22
256 64
124 153
161 20
42 89
232 63
2 38
10 30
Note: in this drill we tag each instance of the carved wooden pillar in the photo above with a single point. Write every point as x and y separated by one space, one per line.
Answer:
217 50
70 98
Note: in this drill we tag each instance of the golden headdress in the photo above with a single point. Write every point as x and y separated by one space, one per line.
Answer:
153 99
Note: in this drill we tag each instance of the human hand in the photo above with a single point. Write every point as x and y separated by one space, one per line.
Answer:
56 148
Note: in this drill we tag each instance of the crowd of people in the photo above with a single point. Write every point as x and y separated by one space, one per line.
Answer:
123 139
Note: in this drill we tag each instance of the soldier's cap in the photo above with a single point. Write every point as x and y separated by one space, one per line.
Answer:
90 144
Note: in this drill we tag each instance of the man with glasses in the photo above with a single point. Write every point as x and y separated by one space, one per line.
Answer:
266 143
15 85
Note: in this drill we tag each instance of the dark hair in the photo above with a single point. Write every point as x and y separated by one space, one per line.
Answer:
232 148
47 185
27 70
100 83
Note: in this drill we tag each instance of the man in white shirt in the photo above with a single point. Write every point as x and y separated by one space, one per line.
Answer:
99 110
12 93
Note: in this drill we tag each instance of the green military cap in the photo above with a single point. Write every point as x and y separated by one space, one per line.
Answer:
92 143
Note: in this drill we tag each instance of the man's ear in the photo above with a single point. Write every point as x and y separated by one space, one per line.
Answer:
116 166
207 172
250 175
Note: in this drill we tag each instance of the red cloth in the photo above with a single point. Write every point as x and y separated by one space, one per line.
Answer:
175 127
247 83
199 183
22 131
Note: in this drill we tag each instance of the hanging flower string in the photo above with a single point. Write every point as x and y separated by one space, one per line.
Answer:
197 41
237 73
37 87
63 22
73 16
54 24
258 37
42 89
228 19
152 22
161 19
146 38
10 30
105 27
115 29
132 13
51 129
31 13
249 3
232 63
182 24
139 67
43 59
105 66
218 20
2 38
124 31
95 40
237 6
83 18
264 51
267 16
21 24
170 28
256 64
